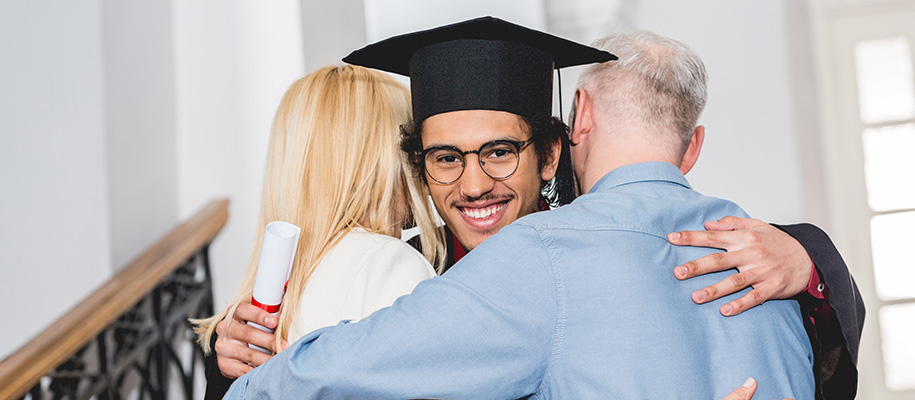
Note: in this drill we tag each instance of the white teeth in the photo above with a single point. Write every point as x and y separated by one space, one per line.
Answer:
482 213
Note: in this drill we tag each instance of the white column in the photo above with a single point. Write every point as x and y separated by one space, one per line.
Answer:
140 124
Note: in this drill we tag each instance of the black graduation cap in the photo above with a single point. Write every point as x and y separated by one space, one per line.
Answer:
481 64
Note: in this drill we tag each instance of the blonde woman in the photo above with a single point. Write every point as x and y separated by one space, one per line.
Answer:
334 168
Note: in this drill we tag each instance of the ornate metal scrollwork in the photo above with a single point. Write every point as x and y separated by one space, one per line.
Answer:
149 352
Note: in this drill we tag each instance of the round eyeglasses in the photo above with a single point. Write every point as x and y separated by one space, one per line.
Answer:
498 159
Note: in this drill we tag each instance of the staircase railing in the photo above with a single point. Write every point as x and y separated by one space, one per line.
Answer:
130 337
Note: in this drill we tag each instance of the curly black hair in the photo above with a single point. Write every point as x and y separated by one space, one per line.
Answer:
545 132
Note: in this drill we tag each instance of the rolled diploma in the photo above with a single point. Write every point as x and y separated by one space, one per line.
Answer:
277 253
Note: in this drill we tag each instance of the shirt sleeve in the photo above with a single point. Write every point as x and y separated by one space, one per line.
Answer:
217 384
816 299
839 319
486 326
815 286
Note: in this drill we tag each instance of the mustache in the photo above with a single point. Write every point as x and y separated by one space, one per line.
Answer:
483 198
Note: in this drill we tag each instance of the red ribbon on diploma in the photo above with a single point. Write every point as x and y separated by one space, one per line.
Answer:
265 307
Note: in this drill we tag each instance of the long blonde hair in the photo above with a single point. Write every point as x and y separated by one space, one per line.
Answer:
334 164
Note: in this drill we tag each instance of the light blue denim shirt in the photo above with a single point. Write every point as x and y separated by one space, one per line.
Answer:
575 303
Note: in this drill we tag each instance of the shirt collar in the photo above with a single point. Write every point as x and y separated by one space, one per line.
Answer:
641 172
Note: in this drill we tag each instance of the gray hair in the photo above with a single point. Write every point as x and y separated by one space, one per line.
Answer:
666 78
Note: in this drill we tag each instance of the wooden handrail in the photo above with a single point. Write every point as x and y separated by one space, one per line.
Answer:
23 369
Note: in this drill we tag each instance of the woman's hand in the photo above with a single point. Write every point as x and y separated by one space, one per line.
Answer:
233 356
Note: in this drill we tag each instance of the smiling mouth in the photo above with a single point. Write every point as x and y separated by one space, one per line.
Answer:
483 213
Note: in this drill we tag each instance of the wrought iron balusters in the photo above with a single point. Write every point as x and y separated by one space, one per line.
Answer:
140 354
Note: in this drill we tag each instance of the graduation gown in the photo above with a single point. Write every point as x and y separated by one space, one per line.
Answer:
834 340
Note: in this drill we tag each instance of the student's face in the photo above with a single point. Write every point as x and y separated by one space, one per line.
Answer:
476 206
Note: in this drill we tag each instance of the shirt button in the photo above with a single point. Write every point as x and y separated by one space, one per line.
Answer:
821 287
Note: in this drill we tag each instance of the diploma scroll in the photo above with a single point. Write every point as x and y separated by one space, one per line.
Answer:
277 253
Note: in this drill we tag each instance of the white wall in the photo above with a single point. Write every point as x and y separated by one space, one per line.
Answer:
750 153
385 18
140 125
331 30
233 62
54 239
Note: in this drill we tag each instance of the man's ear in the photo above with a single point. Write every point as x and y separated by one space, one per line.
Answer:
692 151
549 169
581 121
